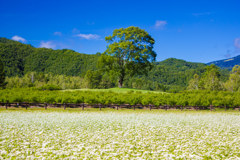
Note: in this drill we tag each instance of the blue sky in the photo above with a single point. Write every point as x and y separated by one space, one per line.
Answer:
193 30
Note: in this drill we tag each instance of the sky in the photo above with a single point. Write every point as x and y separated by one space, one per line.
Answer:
192 30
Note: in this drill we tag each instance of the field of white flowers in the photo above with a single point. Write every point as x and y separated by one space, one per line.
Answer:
119 135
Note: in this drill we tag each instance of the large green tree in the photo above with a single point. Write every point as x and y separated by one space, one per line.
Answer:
2 75
130 52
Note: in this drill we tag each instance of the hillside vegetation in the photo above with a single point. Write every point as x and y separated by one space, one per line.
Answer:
20 59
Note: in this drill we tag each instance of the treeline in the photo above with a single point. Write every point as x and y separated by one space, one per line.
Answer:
46 81
200 99
92 80
211 80
60 82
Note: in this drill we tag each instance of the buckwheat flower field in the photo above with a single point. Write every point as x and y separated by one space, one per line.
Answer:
119 135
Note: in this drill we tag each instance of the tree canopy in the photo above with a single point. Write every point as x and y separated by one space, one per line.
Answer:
210 80
130 52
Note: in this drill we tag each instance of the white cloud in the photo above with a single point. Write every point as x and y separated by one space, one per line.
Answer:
57 33
18 38
237 43
160 24
88 36
48 44
236 50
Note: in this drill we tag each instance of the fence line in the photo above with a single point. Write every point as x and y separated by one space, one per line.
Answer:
113 106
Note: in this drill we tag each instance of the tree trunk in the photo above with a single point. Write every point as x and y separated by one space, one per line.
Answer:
121 77
120 82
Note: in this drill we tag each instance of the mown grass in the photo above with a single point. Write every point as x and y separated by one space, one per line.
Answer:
117 90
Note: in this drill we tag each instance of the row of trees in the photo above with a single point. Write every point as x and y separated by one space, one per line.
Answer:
92 79
193 98
210 80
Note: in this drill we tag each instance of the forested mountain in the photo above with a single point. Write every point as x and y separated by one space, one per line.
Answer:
176 71
172 74
19 59
227 63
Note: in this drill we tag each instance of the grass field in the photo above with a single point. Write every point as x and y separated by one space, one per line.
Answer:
117 90
123 134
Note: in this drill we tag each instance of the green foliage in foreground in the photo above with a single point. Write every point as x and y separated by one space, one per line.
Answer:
193 98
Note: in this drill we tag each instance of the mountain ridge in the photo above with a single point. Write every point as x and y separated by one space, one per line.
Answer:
227 63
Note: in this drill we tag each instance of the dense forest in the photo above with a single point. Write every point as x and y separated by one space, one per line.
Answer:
20 59
26 66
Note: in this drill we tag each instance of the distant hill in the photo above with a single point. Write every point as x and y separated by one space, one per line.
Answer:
19 58
175 71
227 63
